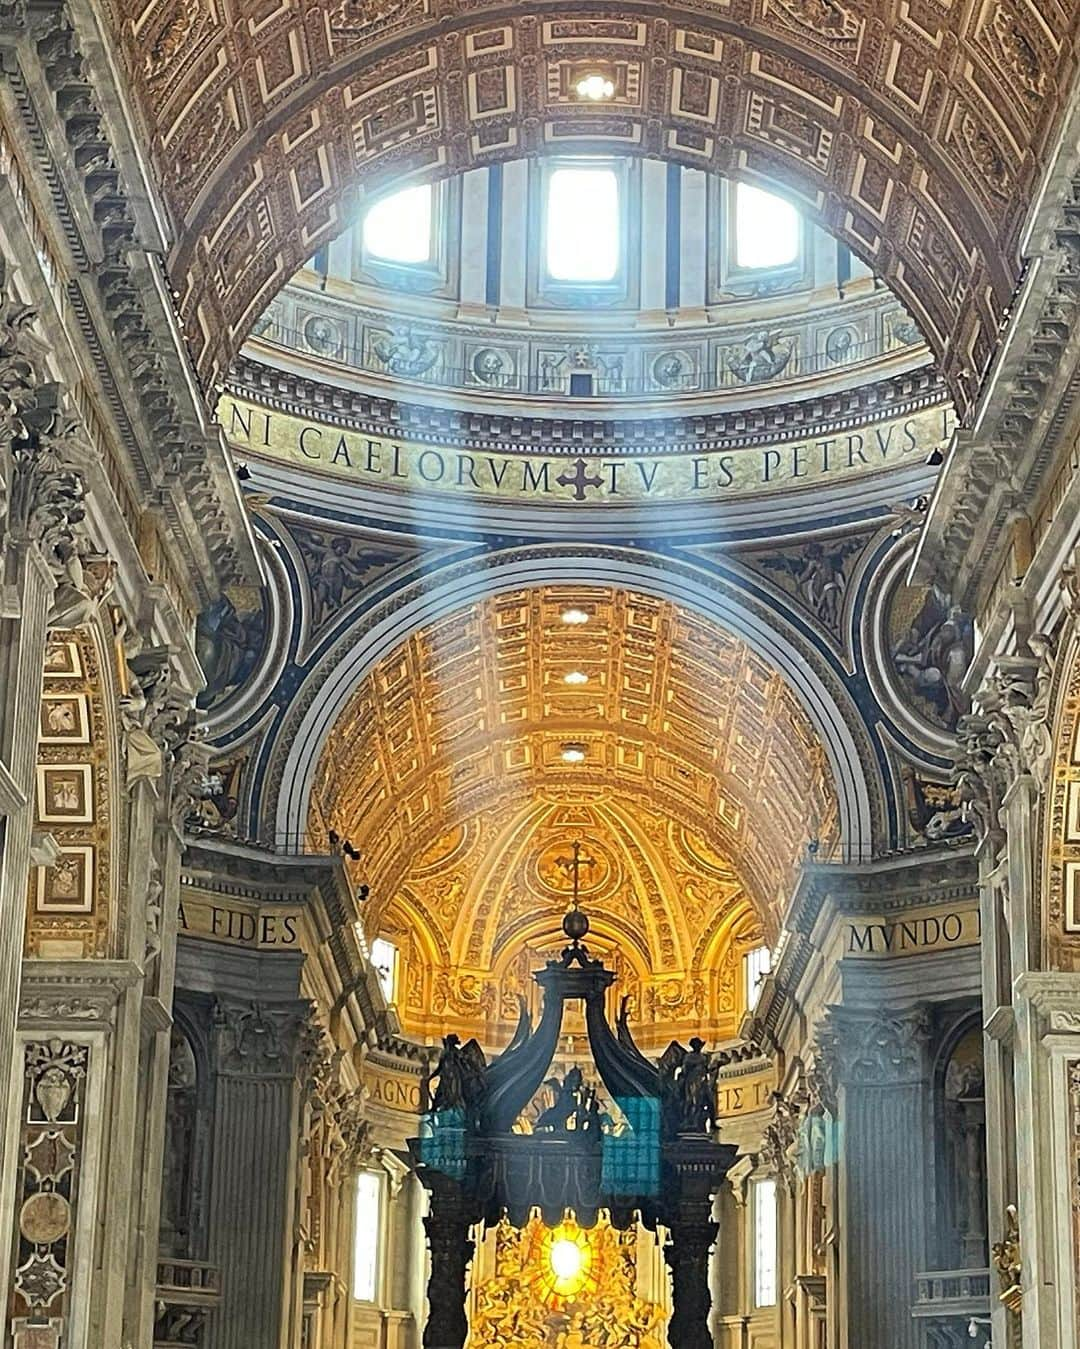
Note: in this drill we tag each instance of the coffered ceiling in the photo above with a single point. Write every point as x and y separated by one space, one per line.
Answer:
913 129
701 781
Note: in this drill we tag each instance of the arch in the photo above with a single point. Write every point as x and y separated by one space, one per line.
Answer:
301 738
914 136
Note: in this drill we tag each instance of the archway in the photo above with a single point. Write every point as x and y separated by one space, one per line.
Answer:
472 757
836 725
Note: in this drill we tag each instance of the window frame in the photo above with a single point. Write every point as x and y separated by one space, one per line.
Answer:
378 1262
439 273
726 279
752 991
545 291
758 1186
395 969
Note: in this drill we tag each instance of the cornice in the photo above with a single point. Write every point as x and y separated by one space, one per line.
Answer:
1051 994
219 866
240 871
995 469
286 391
74 992
119 300
888 885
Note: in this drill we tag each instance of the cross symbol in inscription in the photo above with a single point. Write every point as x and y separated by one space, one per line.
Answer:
579 480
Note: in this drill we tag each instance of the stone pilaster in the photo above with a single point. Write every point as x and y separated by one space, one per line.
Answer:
66 1052
41 494
879 1062
255 1133
1047 1040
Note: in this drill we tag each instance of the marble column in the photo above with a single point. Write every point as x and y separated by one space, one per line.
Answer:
255 1135
881 1069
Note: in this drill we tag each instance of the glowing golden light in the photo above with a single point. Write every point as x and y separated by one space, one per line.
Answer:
595 87
575 677
566 1259
575 617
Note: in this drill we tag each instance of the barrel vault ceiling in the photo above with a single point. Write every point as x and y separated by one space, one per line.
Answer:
701 784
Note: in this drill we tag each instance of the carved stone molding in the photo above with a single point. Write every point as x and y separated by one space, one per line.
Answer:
41 487
73 992
118 297
1010 732
980 778
780 1139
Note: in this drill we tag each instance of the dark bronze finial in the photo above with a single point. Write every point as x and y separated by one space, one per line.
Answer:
575 924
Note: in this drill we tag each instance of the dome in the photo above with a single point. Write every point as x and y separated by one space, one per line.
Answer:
615 280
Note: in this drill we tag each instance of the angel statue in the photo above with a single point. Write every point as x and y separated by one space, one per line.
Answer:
566 1106
460 1072
688 1088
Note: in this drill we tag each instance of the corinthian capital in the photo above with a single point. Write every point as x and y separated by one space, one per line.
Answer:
876 1047
41 458
1015 703
979 775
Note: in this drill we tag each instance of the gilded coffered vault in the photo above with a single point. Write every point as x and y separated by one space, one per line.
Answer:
696 784
914 132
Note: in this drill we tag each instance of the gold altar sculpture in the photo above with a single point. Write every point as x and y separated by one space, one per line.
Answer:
533 1298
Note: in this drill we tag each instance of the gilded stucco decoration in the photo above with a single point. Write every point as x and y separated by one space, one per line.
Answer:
913 132
1062 827
524 1301
701 786
68 903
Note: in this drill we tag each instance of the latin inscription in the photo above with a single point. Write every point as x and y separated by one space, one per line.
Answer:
238 926
590 476
745 1096
392 1090
911 936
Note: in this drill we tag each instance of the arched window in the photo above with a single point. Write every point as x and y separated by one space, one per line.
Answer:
768 230
398 228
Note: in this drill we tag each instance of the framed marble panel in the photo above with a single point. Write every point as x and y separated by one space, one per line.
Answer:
65 719
65 793
67 887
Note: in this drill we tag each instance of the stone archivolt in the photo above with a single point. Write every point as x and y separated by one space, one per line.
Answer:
914 133
702 785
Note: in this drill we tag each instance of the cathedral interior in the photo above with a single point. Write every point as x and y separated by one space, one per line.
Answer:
540 674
